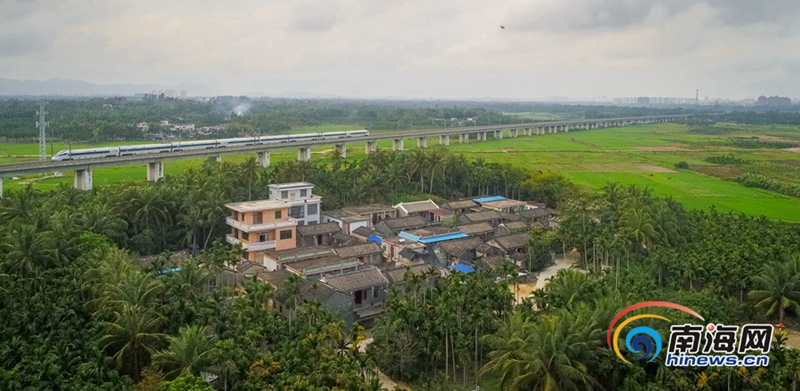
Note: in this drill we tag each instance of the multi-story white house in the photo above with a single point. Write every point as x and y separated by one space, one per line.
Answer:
303 206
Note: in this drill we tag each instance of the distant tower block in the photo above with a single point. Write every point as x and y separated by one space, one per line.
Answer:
42 124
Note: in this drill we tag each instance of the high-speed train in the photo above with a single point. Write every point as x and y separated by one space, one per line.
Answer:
91 153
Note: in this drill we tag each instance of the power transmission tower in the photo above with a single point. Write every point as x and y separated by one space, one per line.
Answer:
42 124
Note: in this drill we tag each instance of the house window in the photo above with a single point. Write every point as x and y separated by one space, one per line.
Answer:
245 236
284 194
278 214
258 218
236 215
286 235
262 238
297 212
375 292
312 209
303 192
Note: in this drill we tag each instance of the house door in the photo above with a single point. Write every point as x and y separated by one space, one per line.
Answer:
358 296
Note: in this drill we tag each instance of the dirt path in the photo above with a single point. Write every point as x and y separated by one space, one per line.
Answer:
386 382
549 272
31 180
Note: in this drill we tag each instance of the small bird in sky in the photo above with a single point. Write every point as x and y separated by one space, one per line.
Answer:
502 27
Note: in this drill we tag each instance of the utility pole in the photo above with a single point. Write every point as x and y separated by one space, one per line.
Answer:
42 124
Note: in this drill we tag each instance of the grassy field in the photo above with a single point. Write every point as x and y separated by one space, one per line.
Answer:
640 155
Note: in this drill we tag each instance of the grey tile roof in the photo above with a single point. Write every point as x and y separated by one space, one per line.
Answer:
476 229
358 250
299 253
318 229
418 206
366 209
309 265
358 280
458 247
512 242
401 223
316 290
364 231
533 213
516 225
460 204
510 216
486 215
502 230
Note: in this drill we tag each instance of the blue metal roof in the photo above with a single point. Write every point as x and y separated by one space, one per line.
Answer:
406 235
489 199
462 268
439 238
375 238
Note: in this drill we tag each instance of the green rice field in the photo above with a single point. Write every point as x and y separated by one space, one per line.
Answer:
639 155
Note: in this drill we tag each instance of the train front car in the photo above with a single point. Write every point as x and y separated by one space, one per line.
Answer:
87 153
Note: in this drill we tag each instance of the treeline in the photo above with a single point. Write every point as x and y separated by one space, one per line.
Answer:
755 143
115 119
763 182
725 159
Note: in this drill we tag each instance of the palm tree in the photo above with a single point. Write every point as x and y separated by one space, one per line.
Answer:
189 352
192 222
27 248
132 337
249 172
551 353
639 224
779 289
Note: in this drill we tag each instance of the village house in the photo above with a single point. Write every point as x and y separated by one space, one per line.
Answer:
444 216
538 215
510 228
317 234
369 253
366 289
390 227
484 230
396 276
392 247
420 208
259 226
460 251
320 267
487 216
364 233
275 260
356 216
511 244
504 205
460 207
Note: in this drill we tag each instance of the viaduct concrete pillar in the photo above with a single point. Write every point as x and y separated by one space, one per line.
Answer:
397 144
83 179
303 154
498 134
219 158
1 187
422 142
155 171
263 158
463 138
371 147
341 149
444 139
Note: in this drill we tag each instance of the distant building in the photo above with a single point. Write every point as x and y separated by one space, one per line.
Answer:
773 101
351 217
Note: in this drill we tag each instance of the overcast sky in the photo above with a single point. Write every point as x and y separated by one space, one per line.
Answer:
413 48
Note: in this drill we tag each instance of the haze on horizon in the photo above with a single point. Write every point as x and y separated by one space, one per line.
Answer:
414 48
